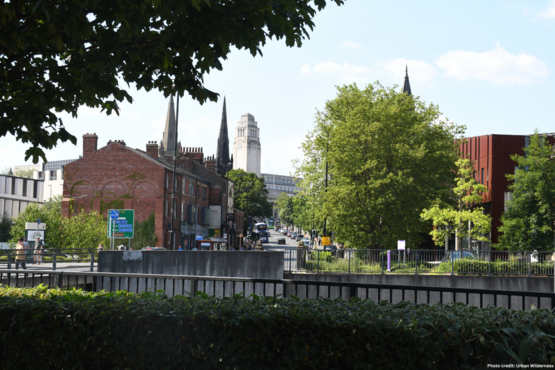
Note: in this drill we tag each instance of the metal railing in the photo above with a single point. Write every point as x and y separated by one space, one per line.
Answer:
436 262
51 257
173 285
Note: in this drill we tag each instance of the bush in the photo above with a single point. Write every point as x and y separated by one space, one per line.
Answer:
54 329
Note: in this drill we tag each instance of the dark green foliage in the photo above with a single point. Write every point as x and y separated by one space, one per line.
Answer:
60 55
5 228
144 233
251 194
53 329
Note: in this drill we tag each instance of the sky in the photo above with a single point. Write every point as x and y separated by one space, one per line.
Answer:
487 65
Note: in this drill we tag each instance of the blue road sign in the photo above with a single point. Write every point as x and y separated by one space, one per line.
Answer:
38 221
114 214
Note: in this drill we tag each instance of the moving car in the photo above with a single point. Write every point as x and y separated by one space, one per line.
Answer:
281 241
299 237
335 251
306 242
293 235
289 234
154 249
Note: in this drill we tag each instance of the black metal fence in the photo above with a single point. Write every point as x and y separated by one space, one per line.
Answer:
172 285
49 257
436 262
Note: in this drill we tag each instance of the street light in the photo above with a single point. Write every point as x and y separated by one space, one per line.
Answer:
71 196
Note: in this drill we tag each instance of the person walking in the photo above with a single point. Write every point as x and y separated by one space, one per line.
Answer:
20 256
100 247
39 250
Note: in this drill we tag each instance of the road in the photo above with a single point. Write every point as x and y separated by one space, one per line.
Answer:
290 249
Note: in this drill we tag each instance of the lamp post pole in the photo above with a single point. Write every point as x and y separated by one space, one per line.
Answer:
175 153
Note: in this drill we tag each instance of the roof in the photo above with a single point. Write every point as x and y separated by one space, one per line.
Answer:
406 87
167 165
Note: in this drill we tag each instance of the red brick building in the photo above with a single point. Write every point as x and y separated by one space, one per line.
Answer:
119 177
492 157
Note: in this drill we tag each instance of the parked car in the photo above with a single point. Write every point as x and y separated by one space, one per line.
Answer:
289 234
284 232
456 255
306 242
299 237
293 235
281 241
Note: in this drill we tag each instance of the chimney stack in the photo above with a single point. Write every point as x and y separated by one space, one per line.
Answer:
90 144
152 149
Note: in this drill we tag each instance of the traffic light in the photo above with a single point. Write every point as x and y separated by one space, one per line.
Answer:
314 233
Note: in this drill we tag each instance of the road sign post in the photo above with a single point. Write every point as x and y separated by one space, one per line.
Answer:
122 225
114 214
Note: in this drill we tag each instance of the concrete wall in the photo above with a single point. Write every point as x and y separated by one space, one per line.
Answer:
247 264
527 284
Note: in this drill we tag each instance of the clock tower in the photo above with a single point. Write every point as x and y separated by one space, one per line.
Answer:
246 147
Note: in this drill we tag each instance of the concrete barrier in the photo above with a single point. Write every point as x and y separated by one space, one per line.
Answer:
247 264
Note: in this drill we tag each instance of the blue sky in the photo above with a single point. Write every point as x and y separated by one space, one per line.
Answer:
487 64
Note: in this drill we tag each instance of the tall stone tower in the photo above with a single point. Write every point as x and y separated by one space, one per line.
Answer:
167 145
406 86
246 147
223 163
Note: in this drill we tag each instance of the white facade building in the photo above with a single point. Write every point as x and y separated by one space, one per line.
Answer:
246 146
51 173
17 192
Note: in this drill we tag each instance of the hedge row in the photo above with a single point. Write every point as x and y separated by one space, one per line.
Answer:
53 329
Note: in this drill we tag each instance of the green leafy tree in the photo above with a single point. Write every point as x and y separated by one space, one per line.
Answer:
84 231
145 233
387 156
287 210
528 224
5 228
7 171
449 218
50 214
251 194
60 55
28 174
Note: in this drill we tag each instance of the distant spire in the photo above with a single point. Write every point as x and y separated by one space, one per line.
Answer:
406 87
222 155
169 138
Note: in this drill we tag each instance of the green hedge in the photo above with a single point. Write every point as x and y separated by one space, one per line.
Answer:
53 329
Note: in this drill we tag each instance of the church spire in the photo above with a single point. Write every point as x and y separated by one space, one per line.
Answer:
169 138
222 155
406 87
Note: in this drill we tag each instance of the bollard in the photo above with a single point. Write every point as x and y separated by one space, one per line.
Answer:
54 262
9 261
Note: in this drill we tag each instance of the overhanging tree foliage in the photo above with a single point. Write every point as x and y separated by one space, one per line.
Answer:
59 55
389 156
528 224
251 194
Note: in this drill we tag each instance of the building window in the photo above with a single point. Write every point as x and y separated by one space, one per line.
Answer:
53 175
482 176
167 181
507 196
183 188
166 212
191 188
182 211
204 192
189 213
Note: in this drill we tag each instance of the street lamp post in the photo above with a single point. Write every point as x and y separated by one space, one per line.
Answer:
175 152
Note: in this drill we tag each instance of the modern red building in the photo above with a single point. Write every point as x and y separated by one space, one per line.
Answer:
491 155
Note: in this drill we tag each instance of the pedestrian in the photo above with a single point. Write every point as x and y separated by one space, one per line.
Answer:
100 247
180 248
20 256
39 250
122 247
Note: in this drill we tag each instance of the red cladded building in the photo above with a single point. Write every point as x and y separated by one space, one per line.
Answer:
491 155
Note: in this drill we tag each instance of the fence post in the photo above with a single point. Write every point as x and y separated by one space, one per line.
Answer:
529 263
92 262
54 261
416 262
318 262
381 260
352 291
9 261
489 264
349 256
194 287
452 259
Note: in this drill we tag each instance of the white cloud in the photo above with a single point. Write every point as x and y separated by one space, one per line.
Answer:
549 11
497 66
420 73
351 45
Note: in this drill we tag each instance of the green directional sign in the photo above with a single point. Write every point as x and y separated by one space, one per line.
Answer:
124 224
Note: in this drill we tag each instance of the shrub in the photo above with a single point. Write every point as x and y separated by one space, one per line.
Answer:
54 329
